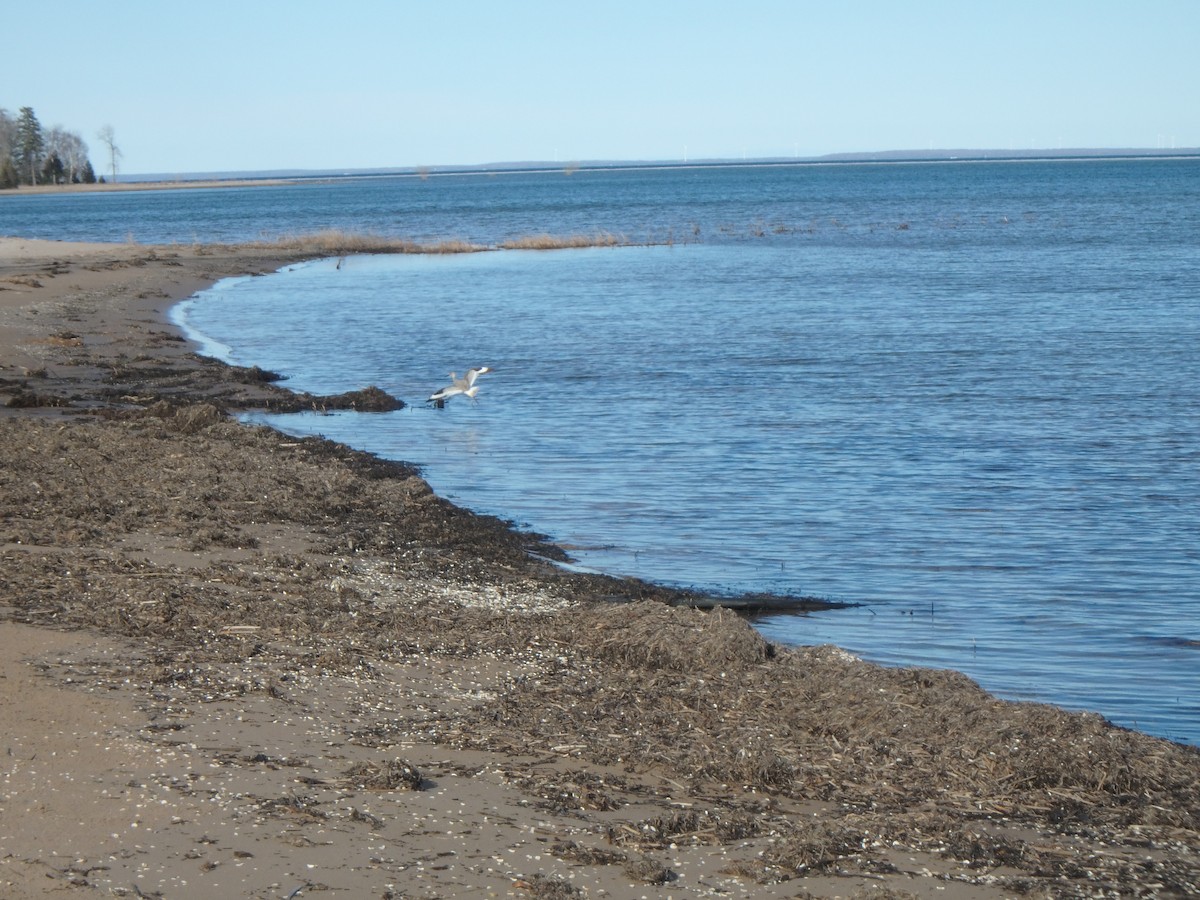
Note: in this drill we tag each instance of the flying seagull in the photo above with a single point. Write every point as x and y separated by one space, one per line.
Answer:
465 386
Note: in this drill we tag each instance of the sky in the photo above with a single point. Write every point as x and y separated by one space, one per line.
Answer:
218 86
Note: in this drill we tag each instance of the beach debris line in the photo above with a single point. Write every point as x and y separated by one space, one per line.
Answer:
464 386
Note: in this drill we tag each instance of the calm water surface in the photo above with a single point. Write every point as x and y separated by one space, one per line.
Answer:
965 397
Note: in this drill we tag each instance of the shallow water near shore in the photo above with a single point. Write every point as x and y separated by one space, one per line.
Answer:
963 397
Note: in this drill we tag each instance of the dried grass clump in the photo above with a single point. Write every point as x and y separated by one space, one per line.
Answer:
22 399
571 791
650 635
542 887
62 339
649 871
300 806
750 870
449 246
252 375
662 830
564 242
816 847
985 851
335 242
692 826
196 418
573 851
391 775
753 763
368 399
22 281
883 892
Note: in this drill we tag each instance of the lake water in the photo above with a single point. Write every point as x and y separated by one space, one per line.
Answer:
963 396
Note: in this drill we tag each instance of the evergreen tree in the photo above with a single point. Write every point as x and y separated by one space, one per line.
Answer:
29 144
88 175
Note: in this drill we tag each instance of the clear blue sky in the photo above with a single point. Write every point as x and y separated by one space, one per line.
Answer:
264 84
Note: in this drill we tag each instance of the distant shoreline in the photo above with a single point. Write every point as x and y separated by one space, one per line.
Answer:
142 186
272 178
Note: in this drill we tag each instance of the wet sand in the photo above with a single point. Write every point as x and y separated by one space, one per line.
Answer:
238 664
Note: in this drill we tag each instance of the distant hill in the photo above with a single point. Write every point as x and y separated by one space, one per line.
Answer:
1072 153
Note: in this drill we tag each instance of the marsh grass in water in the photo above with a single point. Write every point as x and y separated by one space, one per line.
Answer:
336 242
567 242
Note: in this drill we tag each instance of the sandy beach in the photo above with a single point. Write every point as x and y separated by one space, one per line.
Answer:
239 664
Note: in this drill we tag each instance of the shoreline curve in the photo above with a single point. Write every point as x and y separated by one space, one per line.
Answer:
275 656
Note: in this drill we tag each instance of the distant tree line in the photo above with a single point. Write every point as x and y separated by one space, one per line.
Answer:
31 154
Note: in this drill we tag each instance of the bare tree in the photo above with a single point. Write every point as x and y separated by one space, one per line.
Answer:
108 139
8 134
8 144
69 148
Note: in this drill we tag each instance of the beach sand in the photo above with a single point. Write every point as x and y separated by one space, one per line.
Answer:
239 664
